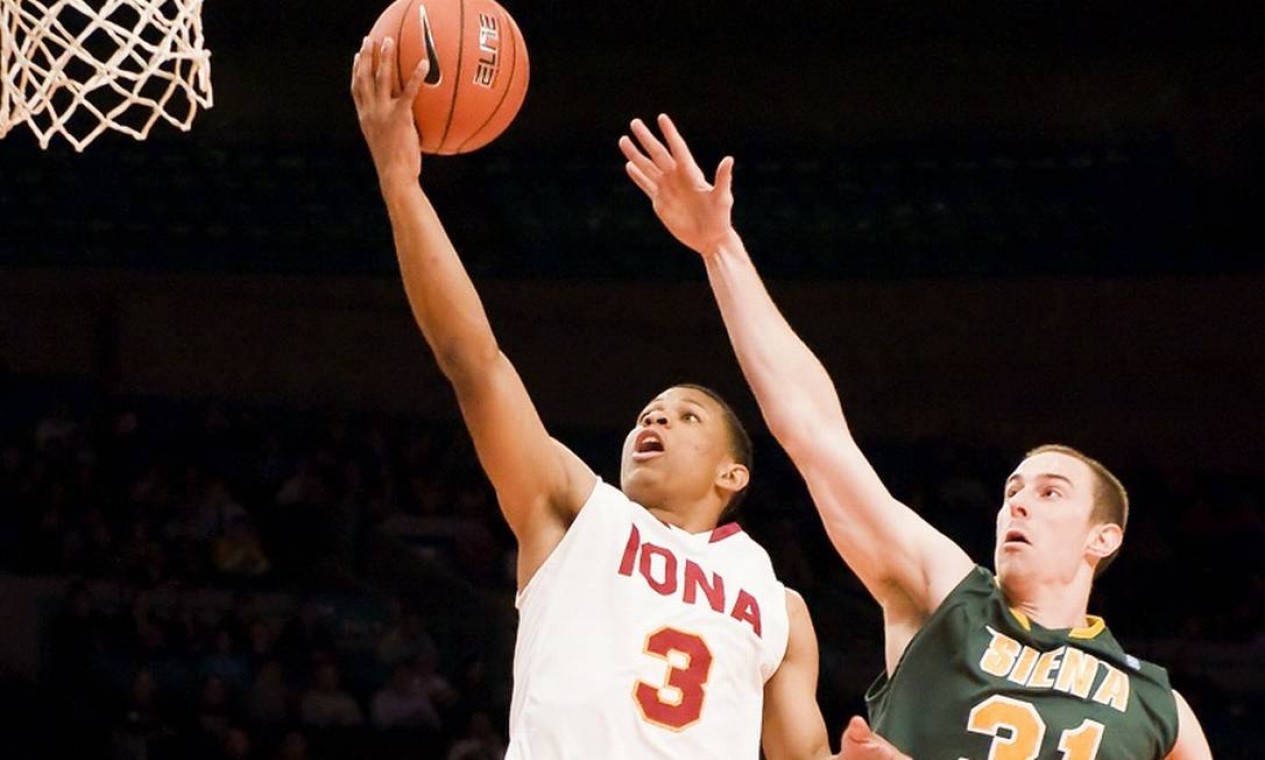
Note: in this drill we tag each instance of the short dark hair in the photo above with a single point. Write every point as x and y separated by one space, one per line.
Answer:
740 447
1111 500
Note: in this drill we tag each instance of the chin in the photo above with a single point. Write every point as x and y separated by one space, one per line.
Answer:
1005 568
637 491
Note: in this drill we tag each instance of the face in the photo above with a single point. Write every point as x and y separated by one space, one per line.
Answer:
1044 528
676 451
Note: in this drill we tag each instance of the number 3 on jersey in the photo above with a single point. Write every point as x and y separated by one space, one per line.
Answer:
678 702
1018 730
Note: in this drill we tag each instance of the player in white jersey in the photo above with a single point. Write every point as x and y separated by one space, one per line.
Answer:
687 627
647 630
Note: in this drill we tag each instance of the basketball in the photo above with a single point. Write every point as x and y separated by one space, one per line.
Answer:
478 68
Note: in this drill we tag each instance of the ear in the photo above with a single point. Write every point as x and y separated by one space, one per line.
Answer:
1104 539
733 477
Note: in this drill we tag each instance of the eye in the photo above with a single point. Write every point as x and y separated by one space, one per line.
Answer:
1050 492
689 416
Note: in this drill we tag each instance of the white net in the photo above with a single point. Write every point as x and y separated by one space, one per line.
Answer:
78 68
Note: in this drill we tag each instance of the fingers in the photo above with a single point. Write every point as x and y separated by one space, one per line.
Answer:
655 149
638 159
679 149
386 78
414 83
857 730
361 69
725 181
640 179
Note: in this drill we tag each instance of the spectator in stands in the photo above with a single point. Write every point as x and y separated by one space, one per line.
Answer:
239 552
304 637
239 620
75 637
268 700
237 744
137 631
325 704
480 742
433 683
183 630
143 725
259 645
294 746
403 639
215 714
56 432
404 703
225 662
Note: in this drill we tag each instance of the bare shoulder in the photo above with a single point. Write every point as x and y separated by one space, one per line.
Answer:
1191 743
802 636
540 527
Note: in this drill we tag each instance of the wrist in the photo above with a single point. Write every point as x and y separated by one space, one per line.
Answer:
727 245
393 182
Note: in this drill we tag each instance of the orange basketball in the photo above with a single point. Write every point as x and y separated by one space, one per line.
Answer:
478 68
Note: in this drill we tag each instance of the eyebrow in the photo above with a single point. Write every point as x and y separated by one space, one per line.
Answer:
694 402
661 401
1042 476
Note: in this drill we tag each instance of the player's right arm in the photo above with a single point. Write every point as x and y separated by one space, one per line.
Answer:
1191 742
906 564
540 484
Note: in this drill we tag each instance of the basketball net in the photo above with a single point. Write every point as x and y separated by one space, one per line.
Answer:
76 70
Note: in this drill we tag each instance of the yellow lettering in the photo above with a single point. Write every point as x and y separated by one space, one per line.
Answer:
1041 677
1000 655
1076 676
1023 668
1114 691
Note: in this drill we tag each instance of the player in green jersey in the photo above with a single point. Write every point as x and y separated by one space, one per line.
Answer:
977 666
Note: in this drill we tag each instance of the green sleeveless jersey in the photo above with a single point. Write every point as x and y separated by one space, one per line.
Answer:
981 682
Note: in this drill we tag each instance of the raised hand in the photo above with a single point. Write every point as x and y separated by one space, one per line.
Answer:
861 743
385 109
696 212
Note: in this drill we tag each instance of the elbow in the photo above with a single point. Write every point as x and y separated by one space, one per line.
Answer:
801 433
461 360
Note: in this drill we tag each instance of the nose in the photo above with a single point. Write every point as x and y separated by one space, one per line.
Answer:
1017 509
655 418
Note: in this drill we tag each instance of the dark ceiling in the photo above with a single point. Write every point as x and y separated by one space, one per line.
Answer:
797 73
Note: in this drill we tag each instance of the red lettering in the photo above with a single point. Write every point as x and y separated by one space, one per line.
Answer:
747 609
668 584
630 552
695 578
679 702
694 583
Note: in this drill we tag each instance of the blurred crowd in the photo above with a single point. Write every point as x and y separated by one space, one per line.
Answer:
229 576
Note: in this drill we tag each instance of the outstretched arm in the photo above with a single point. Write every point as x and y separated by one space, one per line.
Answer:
907 565
539 483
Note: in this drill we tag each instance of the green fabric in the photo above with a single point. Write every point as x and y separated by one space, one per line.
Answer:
974 663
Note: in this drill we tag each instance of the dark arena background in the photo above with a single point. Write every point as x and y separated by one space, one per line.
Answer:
236 502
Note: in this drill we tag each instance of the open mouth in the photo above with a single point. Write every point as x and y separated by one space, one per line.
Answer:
1016 537
648 444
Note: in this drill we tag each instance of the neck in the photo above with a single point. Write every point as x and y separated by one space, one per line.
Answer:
1050 604
693 520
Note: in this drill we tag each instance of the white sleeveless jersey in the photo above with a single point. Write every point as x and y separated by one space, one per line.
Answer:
639 640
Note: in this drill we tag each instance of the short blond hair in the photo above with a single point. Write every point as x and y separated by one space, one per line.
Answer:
1111 500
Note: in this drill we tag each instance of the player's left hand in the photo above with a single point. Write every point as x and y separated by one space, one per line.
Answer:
861 743
696 212
385 109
